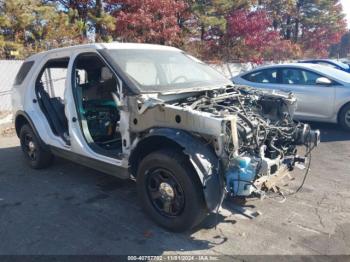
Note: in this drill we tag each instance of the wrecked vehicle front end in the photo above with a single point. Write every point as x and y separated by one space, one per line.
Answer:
252 139
260 146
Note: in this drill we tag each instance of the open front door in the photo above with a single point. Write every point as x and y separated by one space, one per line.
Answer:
97 121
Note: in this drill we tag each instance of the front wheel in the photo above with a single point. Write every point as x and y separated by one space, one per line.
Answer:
170 191
344 117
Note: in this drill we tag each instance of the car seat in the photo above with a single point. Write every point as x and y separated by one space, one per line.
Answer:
53 108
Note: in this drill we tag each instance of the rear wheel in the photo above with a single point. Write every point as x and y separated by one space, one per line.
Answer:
344 117
170 191
34 153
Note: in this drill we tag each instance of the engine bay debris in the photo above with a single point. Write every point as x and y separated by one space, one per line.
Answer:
252 132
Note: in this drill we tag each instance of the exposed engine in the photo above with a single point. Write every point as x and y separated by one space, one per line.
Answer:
266 133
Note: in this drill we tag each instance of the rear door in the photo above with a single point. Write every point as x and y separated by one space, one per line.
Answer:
50 86
315 102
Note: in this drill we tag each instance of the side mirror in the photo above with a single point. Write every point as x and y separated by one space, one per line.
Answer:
323 81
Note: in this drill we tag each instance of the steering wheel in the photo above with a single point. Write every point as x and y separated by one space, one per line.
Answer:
178 78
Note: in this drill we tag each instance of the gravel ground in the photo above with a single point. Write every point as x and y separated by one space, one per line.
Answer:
70 209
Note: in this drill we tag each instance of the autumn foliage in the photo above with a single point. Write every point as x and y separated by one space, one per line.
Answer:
215 30
254 28
150 21
251 32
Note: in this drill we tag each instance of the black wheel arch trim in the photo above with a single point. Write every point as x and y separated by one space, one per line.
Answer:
202 157
21 113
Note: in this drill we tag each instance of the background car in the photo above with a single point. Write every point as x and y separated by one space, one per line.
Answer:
330 63
323 93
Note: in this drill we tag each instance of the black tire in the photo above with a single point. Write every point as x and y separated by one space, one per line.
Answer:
344 117
187 190
35 154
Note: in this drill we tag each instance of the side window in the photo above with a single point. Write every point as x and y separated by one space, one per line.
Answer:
310 77
266 76
23 72
295 76
93 79
53 78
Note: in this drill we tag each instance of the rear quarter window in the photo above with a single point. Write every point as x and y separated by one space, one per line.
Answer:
23 72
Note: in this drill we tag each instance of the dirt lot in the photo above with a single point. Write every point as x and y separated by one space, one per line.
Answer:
69 209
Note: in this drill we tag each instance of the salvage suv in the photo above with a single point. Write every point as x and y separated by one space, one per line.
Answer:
159 116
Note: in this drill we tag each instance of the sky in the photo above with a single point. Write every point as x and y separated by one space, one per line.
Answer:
346 8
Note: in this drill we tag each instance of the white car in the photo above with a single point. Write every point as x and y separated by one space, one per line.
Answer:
323 93
161 117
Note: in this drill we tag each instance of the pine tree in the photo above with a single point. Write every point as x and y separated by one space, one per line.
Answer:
211 15
92 17
313 24
27 26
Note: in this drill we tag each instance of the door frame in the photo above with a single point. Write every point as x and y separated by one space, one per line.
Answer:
79 144
49 115
32 105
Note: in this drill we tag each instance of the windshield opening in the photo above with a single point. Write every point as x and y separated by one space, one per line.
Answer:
165 70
